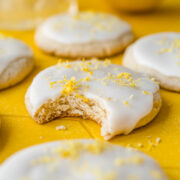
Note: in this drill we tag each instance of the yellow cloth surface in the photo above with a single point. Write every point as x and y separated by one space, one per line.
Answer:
18 130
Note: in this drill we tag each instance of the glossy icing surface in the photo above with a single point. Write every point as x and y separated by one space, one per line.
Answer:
12 49
79 160
160 52
84 27
127 96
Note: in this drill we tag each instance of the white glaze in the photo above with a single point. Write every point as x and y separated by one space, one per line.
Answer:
85 27
12 49
120 117
88 165
148 52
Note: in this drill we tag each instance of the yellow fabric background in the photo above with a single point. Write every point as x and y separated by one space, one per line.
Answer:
18 130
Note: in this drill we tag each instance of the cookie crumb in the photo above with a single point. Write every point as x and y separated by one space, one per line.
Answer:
158 139
140 145
60 127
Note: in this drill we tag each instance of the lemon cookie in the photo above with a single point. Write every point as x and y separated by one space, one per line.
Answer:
159 56
16 61
114 96
85 34
79 160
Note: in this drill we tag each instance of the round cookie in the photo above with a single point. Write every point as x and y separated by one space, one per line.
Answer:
16 61
117 98
80 160
159 56
85 34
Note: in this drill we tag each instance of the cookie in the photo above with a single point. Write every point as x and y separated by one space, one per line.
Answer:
159 56
117 98
16 61
79 160
85 34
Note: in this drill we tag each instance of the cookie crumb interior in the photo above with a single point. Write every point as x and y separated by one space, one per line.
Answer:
71 105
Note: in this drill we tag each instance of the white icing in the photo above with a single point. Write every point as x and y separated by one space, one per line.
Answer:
12 49
84 27
121 118
33 164
160 52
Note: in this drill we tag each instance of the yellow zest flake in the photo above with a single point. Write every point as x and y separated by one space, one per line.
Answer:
104 83
72 150
60 81
91 73
162 41
95 148
109 74
126 103
68 65
101 175
124 75
87 78
132 160
178 63
122 79
42 160
107 62
156 174
70 86
128 79
84 99
108 98
59 62
176 44
76 17
164 50
52 84
145 92
135 160
83 59
86 69
119 161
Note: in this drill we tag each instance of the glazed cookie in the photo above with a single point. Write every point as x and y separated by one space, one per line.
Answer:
80 160
159 56
85 34
117 98
16 61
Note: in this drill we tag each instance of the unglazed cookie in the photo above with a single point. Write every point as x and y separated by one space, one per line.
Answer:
114 96
80 160
16 61
85 34
159 56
